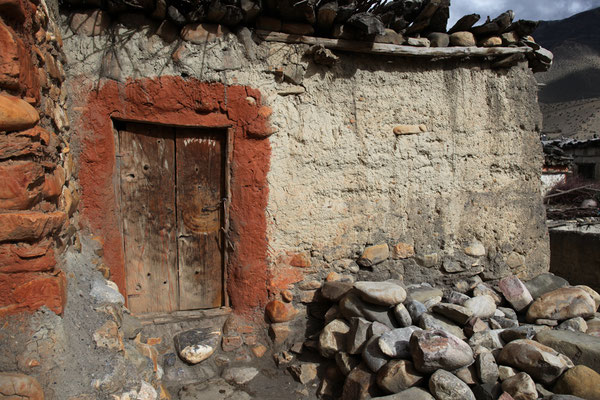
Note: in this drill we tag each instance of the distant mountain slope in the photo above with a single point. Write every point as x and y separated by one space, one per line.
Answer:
582 28
570 90
575 119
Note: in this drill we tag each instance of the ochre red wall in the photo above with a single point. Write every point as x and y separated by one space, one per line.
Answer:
184 102
31 175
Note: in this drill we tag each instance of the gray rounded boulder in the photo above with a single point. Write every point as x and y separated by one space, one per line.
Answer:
446 386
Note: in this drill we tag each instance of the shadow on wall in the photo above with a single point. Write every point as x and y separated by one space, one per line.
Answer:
117 36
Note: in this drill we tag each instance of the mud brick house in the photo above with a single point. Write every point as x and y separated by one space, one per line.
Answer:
558 166
586 157
163 166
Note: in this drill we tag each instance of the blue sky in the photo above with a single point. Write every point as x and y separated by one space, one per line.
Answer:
524 9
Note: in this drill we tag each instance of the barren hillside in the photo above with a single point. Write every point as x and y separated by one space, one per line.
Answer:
570 91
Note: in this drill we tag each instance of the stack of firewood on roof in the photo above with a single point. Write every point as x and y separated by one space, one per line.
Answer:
422 23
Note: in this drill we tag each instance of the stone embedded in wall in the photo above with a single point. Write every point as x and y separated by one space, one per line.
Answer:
259 350
299 260
323 56
240 375
429 260
16 114
10 49
29 225
287 296
104 293
111 66
403 250
89 22
231 342
17 71
15 385
109 336
22 185
278 311
54 67
23 257
374 255
475 249
60 119
66 202
200 33
409 129
26 292
19 144
196 345
53 183
279 332
515 260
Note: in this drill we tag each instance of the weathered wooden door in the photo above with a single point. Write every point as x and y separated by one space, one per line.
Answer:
172 190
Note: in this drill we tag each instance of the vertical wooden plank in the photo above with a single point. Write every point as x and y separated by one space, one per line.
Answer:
147 176
226 219
200 190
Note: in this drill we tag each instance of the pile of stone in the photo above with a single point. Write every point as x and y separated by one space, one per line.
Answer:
512 340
